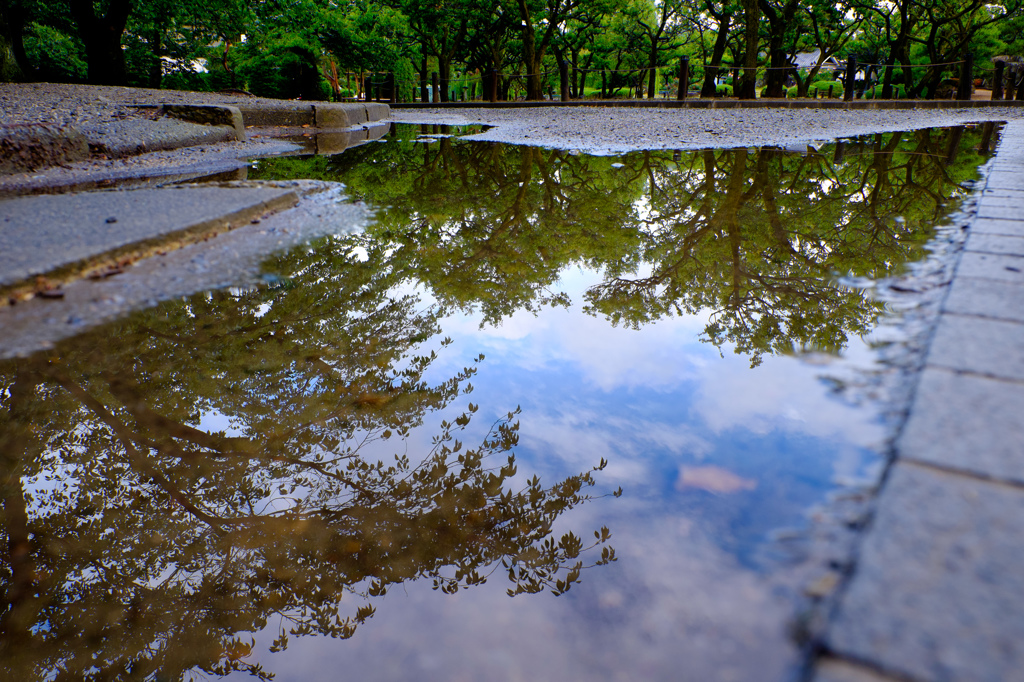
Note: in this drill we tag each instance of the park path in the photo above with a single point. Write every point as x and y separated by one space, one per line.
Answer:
938 590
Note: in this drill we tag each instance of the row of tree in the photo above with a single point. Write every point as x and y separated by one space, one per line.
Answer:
303 48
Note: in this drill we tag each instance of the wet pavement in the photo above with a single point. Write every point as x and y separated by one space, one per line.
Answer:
937 592
41 235
294 474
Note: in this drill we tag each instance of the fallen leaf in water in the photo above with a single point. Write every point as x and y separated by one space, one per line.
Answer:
823 586
713 479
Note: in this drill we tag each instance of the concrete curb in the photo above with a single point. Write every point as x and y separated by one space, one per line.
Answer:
318 114
209 114
31 272
902 104
131 137
27 147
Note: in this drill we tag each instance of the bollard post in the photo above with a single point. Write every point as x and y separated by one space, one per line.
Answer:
1020 86
851 71
435 88
684 78
997 80
963 91
563 78
391 88
831 87
494 85
1011 81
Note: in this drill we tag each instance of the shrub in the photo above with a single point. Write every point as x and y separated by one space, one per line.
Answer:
723 91
822 87
60 57
875 92
285 69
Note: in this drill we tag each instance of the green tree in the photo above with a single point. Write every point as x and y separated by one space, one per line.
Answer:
542 24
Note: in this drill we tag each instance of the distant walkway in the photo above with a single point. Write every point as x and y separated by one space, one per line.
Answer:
938 591
727 103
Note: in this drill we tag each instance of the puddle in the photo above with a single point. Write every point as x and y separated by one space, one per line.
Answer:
581 381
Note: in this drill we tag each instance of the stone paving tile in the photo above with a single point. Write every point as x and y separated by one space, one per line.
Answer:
1009 200
967 422
986 210
1003 268
1005 180
996 243
995 193
938 592
834 670
986 298
1013 228
983 346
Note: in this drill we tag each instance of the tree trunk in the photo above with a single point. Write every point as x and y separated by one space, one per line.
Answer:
444 65
102 39
532 57
777 73
156 68
424 81
899 49
752 15
717 52
652 66
574 89
14 64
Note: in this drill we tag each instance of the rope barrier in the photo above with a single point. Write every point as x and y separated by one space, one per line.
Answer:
694 66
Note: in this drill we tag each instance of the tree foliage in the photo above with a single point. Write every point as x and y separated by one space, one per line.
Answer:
606 44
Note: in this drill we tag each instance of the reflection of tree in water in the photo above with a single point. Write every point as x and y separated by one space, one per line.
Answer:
487 226
139 544
757 237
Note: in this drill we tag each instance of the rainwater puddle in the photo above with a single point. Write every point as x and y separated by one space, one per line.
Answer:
553 416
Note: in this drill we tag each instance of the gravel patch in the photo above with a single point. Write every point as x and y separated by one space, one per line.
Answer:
608 130
85 106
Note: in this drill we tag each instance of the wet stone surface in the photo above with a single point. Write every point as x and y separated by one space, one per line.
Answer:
549 416
946 611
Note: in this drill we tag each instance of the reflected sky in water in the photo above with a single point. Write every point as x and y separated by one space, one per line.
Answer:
577 380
